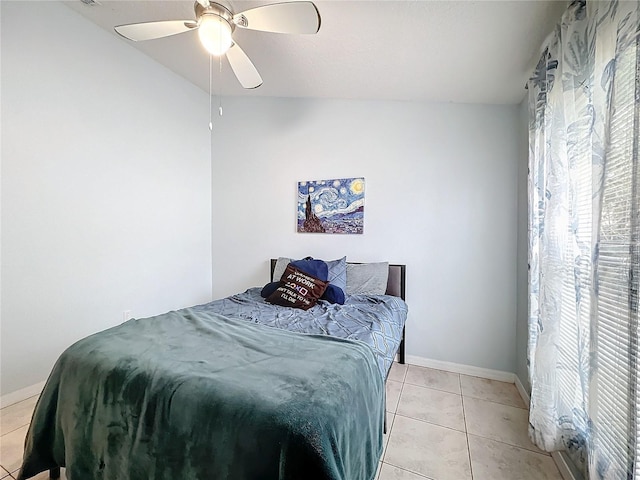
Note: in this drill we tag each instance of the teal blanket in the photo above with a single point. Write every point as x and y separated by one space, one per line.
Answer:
195 395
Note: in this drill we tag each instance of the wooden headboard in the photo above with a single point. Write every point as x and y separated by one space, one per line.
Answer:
395 283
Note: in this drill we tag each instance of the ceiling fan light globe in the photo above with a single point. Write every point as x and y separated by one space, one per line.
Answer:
215 34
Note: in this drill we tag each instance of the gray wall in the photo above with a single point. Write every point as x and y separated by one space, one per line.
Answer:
522 319
105 187
441 196
106 198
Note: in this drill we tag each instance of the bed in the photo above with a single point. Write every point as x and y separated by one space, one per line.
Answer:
233 389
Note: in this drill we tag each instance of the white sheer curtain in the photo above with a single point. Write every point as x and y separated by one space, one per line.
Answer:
584 234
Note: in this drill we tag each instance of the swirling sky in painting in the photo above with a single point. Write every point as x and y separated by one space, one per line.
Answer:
338 203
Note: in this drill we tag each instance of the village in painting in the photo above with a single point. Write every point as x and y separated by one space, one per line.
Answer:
331 206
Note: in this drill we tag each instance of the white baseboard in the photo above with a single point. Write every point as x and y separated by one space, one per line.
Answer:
522 391
463 369
22 394
566 470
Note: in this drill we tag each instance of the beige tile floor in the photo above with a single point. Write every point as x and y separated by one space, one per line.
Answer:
446 426
441 426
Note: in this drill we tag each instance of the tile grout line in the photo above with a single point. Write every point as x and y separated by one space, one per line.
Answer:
3 434
395 412
498 403
5 473
432 388
493 401
384 453
13 405
430 423
405 469
466 430
466 433
519 447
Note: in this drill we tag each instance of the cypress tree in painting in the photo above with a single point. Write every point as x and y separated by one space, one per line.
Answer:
312 223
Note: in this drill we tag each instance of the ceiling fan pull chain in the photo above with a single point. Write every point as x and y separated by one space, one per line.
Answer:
220 96
210 92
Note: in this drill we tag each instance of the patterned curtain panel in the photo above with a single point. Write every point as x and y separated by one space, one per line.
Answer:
584 235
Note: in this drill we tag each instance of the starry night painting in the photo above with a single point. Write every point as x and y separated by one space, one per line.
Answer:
331 206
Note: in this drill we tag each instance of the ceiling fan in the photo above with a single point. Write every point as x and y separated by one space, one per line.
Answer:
216 23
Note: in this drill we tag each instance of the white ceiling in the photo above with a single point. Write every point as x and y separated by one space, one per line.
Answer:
419 50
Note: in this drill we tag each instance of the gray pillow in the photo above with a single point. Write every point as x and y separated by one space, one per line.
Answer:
338 272
280 267
367 278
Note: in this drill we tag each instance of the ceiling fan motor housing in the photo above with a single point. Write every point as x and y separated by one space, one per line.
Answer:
216 27
215 9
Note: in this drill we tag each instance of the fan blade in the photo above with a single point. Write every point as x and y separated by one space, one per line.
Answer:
244 69
293 17
151 30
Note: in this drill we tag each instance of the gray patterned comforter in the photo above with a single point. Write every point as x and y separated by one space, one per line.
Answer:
376 320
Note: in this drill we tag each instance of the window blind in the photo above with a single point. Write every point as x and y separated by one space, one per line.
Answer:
616 435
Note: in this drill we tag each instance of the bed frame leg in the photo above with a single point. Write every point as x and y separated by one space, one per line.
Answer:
54 472
402 348
384 428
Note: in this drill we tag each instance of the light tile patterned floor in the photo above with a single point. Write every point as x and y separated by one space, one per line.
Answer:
455 427
441 426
